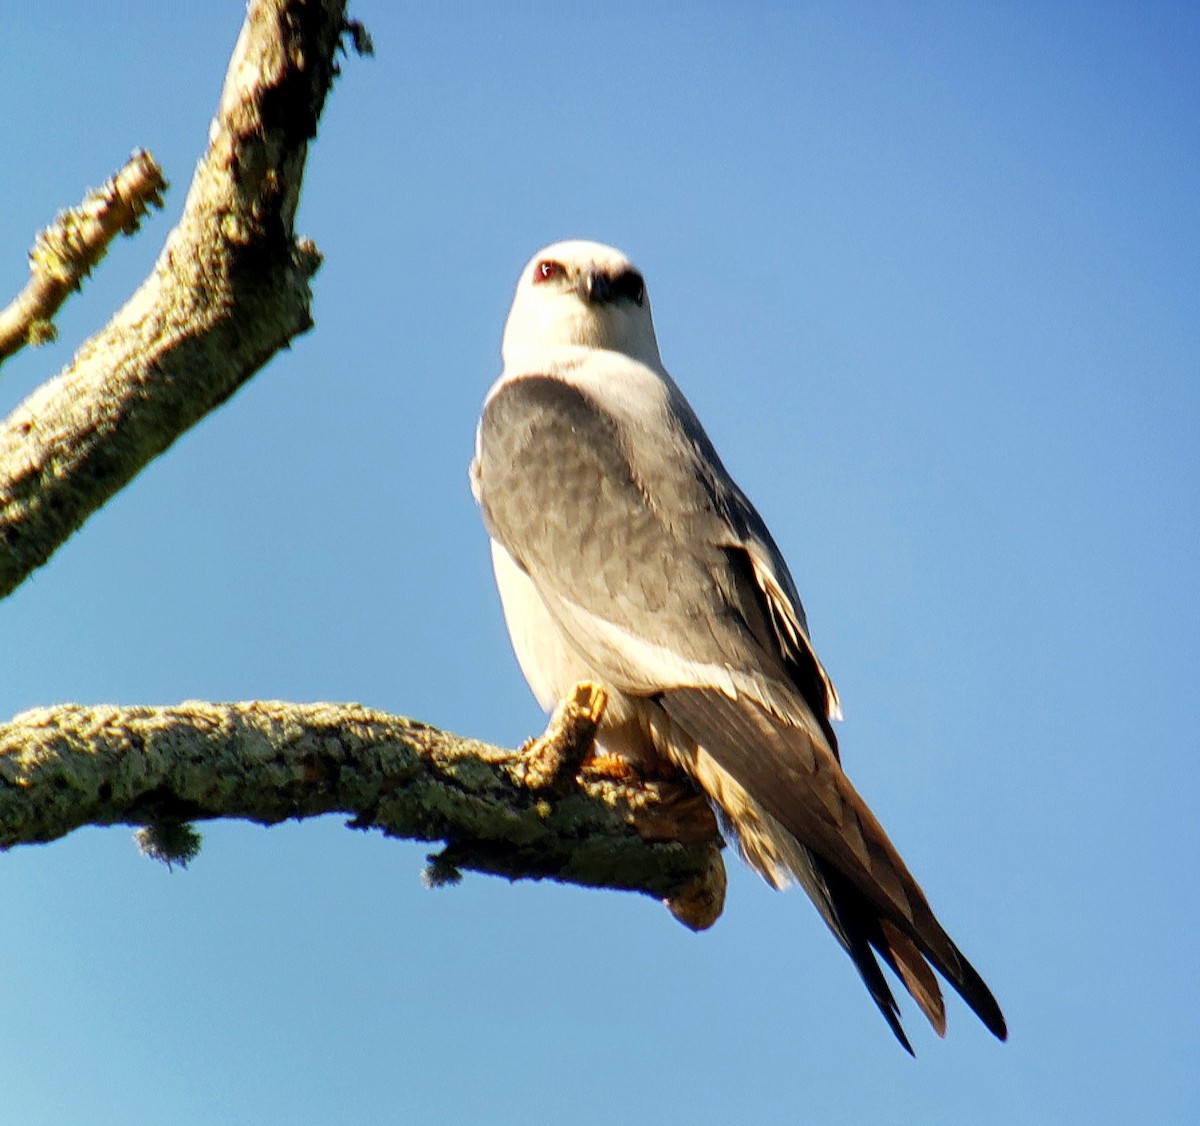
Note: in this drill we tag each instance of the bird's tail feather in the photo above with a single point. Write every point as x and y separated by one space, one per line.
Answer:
863 889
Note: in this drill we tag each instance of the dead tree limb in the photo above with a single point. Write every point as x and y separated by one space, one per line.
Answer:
230 289
66 767
67 250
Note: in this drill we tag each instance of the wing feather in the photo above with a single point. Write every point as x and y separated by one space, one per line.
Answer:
806 791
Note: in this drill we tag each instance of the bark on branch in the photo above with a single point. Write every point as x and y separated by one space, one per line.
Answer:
66 767
229 290
66 251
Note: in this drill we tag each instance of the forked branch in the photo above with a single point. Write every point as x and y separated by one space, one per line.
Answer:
230 289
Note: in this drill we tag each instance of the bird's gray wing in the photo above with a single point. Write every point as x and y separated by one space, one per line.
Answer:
763 574
629 541
656 563
644 553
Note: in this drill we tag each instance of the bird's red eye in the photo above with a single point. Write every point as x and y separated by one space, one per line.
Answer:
547 269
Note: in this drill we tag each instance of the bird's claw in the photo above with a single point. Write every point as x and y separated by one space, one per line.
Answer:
556 756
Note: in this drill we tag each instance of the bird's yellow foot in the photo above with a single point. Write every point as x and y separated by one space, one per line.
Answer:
555 756
617 768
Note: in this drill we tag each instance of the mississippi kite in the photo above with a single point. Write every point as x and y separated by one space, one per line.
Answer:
626 556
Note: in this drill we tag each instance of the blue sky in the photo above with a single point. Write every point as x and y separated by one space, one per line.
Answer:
930 275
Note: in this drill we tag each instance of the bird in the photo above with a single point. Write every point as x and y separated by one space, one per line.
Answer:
626 557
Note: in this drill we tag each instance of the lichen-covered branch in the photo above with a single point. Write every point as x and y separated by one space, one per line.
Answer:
230 288
65 767
66 251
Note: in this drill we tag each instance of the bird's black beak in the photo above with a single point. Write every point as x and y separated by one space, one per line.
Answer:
596 288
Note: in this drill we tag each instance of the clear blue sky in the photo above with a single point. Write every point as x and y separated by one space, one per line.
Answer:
931 275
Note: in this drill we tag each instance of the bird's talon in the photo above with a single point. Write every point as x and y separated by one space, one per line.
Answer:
601 764
555 757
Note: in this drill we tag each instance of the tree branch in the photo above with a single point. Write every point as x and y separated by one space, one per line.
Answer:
66 767
66 251
229 290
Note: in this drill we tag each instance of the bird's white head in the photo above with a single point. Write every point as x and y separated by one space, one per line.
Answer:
579 295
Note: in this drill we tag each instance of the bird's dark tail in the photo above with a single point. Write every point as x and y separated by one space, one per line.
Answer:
865 933
794 809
